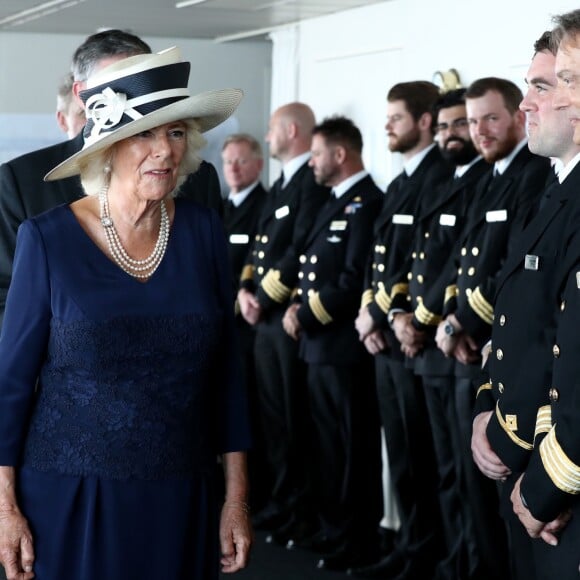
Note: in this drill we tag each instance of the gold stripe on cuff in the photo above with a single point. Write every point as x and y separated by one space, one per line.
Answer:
481 306
450 292
543 420
563 472
247 272
383 300
399 289
272 286
318 309
484 387
425 316
367 297
509 425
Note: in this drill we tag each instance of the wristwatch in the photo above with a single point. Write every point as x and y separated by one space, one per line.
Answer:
448 328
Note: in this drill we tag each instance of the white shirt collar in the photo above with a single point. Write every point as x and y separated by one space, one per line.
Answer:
412 164
461 170
292 166
502 164
568 168
238 198
340 189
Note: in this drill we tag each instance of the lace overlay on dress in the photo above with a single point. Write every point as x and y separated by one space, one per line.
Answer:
130 397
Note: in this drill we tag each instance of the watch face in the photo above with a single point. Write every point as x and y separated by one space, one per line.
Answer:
449 329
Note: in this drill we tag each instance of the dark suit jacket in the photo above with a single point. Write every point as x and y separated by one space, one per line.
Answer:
331 275
439 225
394 230
241 224
498 213
287 216
24 194
551 483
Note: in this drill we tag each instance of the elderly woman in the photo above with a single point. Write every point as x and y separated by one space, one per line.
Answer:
118 368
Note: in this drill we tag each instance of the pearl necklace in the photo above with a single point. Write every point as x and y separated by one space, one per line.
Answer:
136 268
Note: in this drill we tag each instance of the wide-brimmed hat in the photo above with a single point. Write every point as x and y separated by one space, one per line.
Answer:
139 93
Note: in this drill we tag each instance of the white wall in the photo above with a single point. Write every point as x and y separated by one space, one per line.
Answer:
348 61
31 66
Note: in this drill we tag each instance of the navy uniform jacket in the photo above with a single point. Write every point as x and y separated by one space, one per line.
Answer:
272 267
551 482
393 236
498 213
24 194
520 364
439 225
240 224
331 275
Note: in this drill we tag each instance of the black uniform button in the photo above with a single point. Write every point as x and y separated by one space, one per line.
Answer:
499 354
302 259
420 279
502 320
422 256
313 259
468 292
260 270
300 275
562 305
381 267
500 388
261 255
312 276
464 251
414 255
264 239
409 276
475 251
556 351
554 395
471 271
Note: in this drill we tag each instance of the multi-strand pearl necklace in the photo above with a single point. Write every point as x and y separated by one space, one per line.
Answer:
136 268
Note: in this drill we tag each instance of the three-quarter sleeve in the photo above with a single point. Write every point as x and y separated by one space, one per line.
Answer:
23 340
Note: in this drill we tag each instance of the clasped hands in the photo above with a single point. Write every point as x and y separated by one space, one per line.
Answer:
459 345
249 306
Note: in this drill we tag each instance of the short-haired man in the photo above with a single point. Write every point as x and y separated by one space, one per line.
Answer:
547 494
268 278
439 225
410 130
345 439
24 194
70 116
242 164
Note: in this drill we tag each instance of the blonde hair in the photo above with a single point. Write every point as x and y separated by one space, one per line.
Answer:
95 169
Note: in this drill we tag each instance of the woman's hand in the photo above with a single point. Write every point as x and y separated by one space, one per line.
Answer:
16 549
235 536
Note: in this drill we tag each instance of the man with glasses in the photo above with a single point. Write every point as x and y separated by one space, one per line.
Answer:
441 220
410 129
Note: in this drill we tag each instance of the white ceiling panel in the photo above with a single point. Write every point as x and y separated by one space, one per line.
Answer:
149 18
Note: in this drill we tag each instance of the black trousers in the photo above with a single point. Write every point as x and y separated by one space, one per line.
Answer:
346 451
533 559
283 408
411 457
486 532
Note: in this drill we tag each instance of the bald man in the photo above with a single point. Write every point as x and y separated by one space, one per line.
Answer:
268 278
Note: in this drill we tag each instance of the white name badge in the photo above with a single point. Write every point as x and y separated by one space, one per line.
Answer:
499 215
282 212
239 239
338 225
447 219
403 219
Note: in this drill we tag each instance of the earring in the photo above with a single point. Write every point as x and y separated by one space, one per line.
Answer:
107 169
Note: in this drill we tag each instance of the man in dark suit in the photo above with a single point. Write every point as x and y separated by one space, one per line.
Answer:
345 436
404 417
439 224
243 162
268 278
24 194
512 407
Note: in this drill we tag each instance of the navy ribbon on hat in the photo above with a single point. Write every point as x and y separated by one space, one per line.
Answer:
114 104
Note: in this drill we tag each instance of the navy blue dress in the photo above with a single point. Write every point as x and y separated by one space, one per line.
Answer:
116 397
